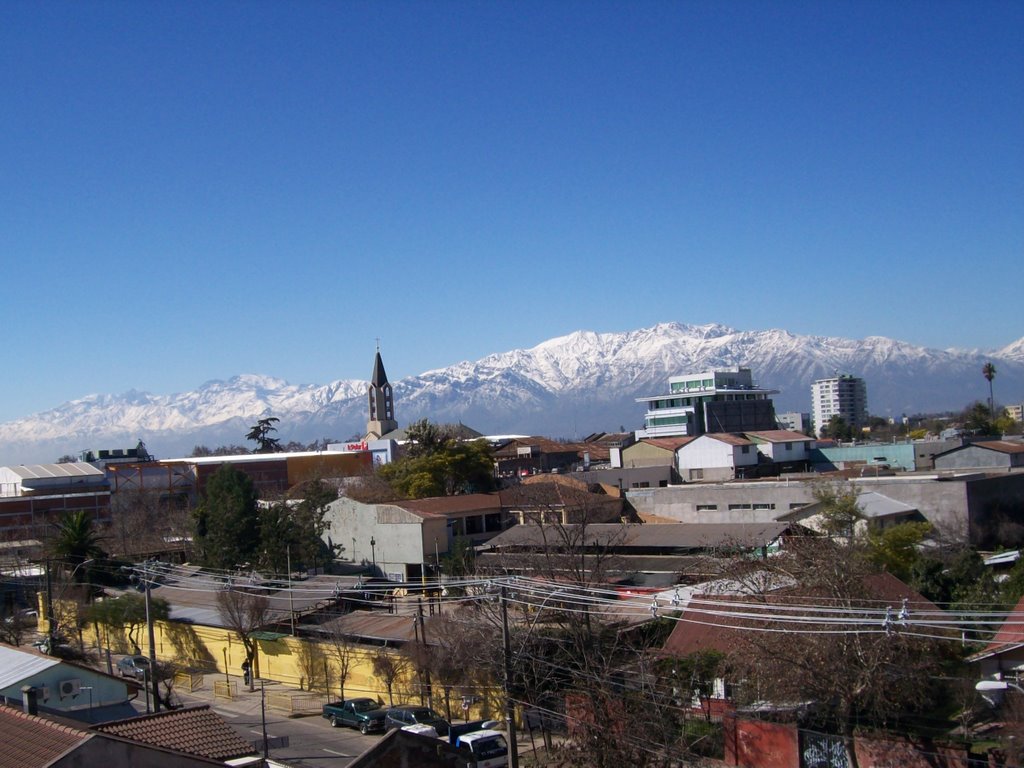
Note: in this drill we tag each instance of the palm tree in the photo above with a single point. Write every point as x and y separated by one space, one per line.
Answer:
989 372
77 541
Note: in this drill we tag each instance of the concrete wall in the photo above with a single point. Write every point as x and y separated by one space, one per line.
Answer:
977 509
106 750
996 505
896 455
759 744
399 536
756 744
679 502
707 458
641 477
976 457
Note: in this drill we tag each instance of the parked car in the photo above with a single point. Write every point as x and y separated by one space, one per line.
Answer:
134 666
414 714
365 714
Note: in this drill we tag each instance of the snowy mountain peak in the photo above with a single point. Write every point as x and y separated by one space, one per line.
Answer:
574 384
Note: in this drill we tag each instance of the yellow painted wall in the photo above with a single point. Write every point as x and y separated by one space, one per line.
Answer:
284 660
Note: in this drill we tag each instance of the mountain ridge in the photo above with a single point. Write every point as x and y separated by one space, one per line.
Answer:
581 382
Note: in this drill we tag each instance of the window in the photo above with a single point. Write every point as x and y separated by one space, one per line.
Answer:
789 446
738 506
764 506
746 449
707 507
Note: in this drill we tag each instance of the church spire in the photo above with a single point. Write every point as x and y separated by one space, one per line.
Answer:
380 377
381 402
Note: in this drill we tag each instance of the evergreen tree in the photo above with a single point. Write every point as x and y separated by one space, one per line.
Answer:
259 433
227 521
309 516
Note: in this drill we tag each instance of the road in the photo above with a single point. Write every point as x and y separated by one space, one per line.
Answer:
312 742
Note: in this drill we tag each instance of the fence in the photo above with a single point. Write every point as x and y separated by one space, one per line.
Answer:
295 704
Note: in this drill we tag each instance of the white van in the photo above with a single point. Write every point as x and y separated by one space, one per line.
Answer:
489 748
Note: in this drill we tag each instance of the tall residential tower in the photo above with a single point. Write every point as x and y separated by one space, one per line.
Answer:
844 396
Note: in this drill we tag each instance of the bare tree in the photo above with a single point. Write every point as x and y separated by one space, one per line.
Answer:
313 665
389 666
145 523
849 671
243 613
343 654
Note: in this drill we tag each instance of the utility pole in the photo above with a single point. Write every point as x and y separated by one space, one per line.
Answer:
263 713
423 639
49 610
510 707
291 596
152 643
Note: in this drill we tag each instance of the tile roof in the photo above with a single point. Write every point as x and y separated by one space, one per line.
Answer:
451 505
667 443
728 438
196 731
1002 446
1010 634
779 436
711 627
34 741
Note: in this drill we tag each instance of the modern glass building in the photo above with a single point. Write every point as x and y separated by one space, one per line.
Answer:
712 401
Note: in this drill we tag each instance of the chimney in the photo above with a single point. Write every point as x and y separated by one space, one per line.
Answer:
28 700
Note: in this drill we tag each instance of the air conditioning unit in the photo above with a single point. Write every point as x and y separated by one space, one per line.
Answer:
70 687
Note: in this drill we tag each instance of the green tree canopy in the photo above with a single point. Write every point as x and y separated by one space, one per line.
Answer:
128 613
837 429
438 464
227 520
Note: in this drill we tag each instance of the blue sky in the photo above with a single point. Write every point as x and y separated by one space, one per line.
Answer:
190 191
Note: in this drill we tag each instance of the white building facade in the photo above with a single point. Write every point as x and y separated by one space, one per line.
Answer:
712 401
843 396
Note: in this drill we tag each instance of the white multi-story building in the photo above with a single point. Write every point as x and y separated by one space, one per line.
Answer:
713 401
844 396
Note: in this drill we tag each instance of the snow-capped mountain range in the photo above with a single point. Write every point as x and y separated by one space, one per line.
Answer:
566 387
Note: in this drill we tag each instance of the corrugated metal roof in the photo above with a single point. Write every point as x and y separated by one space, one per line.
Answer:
46 471
372 625
17 665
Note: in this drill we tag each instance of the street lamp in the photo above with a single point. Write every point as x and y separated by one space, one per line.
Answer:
373 552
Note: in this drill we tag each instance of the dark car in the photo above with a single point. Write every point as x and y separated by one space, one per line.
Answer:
414 714
134 666
364 714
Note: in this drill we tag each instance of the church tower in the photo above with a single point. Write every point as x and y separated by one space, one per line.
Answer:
382 402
